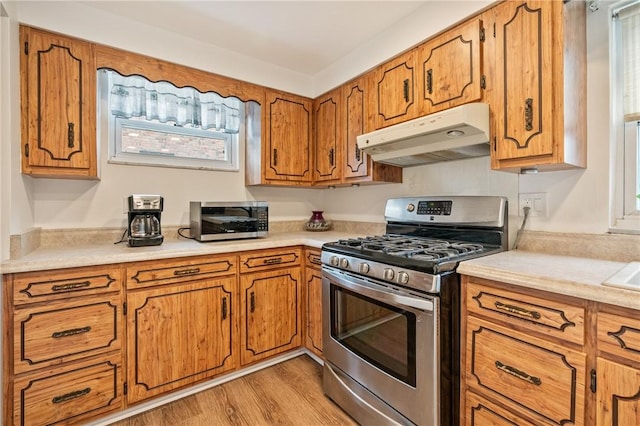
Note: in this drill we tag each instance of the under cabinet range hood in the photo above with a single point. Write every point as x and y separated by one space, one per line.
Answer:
453 134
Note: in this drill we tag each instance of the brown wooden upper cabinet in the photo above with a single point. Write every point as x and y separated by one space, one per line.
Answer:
451 68
328 137
286 141
395 85
539 101
58 105
358 167
339 117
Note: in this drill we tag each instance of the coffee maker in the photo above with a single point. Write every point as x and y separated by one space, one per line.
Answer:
144 220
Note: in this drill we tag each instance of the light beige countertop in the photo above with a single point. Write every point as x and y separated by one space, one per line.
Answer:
567 275
108 253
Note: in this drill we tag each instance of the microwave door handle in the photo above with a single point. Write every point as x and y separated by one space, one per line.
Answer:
360 286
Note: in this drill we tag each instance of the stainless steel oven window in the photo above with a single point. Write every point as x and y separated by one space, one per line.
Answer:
383 335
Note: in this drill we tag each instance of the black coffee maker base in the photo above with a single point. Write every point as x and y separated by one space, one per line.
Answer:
156 240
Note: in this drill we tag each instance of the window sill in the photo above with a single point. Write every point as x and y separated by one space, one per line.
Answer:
628 225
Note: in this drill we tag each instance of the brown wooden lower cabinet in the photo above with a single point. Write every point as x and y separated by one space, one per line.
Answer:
270 313
542 380
537 358
178 335
69 394
618 367
482 412
313 296
63 338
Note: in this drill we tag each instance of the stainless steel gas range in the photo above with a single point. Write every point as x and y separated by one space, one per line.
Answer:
391 308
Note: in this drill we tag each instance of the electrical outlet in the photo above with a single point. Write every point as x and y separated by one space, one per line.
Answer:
537 201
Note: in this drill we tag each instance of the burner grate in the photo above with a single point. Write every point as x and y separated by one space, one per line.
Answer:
418 248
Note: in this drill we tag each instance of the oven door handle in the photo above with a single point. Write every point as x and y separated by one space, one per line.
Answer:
364 288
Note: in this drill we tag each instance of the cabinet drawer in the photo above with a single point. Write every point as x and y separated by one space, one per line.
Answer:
527 313
267 259
312 258
482 412
39 286
146 274
529 374
620 335
64 331
70 394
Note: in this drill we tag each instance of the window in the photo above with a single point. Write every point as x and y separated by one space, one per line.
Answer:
158 124
626 68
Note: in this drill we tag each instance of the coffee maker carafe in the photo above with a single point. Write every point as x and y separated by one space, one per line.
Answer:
144 220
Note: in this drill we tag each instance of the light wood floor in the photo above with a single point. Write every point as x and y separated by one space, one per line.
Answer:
289 393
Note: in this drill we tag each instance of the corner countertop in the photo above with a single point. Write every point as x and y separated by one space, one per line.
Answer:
566 275
107 253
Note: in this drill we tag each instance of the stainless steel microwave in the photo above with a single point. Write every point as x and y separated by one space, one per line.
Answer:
213 221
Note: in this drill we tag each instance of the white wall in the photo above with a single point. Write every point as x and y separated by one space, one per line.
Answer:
577 200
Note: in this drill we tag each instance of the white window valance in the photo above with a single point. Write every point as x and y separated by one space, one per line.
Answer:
137 97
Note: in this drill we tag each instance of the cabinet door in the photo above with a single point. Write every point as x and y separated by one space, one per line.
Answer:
394 91
451 68
58 105
328 137
358 166
354 98
523 103
270 312
178 335
288 135
313 280
618 394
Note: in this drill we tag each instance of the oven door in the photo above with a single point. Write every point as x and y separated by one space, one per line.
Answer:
384 339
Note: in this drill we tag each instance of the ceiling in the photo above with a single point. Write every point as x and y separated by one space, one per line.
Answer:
301 36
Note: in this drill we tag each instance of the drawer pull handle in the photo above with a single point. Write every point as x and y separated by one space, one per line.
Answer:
272 261
70 286
316 260
253 302
518 311
184 272
71 395
71 332
518 373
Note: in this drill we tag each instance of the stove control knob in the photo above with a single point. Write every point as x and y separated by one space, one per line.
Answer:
411 207
344 263
364 268
388 274
333 261
403 277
